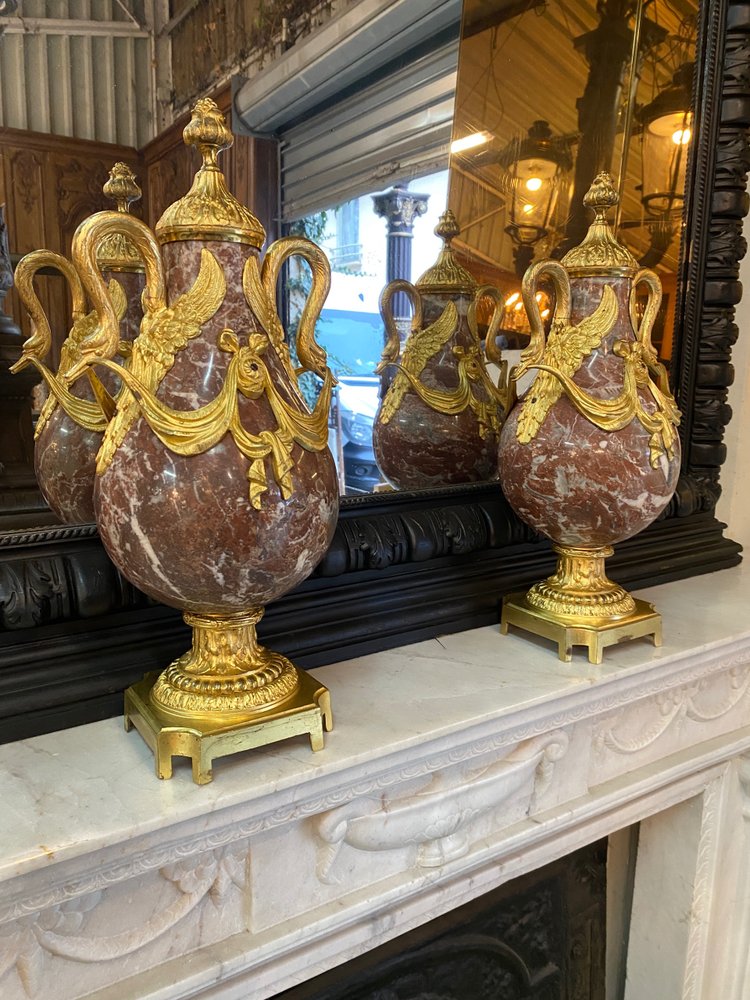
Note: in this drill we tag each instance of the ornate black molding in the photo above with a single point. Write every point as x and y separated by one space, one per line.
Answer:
59 673
23 538
710 285
404 567
407 528
55 575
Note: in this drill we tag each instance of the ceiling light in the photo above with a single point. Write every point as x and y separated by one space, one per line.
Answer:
470 141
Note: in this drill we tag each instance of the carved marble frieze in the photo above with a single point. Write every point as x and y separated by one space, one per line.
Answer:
434 817
702 702
129 925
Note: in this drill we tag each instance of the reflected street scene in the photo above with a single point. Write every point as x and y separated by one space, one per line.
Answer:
369 241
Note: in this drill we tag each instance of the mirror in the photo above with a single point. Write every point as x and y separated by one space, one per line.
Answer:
550 94
369 241
547 95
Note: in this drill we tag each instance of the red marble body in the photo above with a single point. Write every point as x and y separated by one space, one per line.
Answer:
64 457
579 485
182 528
420 447
65 452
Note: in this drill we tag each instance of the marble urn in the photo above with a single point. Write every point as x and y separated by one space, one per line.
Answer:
215 491
69 430
589 455
440 413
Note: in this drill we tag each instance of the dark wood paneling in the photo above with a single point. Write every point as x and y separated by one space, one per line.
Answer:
50 184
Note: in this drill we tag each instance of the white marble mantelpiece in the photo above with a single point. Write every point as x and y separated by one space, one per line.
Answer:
455 765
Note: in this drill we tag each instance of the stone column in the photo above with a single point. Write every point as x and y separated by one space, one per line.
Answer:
400 207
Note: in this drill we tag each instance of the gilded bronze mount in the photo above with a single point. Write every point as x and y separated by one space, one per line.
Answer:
579 606
226 694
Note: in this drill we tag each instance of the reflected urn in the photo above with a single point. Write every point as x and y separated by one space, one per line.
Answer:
215 490
440 412
590 455
70 426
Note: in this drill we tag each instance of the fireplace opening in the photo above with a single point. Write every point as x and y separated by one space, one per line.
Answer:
541 936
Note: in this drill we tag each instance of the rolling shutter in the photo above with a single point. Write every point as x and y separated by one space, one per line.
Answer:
350 117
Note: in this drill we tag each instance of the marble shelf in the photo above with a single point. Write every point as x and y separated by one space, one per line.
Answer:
454 765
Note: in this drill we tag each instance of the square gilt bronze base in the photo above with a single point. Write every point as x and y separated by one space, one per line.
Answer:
170 735
595 634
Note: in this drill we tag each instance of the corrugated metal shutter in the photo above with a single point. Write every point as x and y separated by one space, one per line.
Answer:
363 102
393 130
81 68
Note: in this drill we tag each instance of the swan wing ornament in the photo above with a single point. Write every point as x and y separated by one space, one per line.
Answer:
418 351
164 332
566 348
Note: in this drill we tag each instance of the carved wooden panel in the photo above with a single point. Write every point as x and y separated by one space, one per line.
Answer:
78 191
169 166
50 184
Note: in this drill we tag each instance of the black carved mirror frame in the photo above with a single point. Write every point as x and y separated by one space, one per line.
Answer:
409 566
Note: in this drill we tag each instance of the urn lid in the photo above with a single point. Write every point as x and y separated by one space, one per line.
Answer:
116 252
209 211
446 274
600 253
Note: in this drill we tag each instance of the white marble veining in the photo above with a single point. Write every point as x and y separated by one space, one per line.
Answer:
454 764
93 786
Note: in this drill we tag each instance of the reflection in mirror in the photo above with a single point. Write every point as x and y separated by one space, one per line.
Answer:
440 413
548 95
19 492
370 241
71 423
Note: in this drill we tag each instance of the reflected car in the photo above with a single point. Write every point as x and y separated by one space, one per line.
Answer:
358 404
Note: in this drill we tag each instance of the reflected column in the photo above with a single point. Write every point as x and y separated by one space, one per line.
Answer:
608 50
400 208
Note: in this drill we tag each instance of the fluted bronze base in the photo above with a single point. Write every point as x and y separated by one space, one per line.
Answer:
226 673
203 739
579 606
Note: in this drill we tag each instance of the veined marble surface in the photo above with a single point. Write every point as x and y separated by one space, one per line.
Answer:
68 794
454 765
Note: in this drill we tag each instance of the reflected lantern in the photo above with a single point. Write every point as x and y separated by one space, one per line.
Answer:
536 166
667 130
